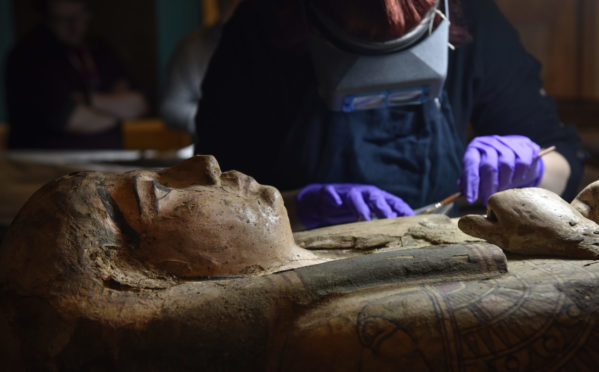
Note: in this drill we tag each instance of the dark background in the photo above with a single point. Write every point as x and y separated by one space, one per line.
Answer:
563 35
143 32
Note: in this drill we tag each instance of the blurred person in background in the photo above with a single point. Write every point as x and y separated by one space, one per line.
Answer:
182 89
66 90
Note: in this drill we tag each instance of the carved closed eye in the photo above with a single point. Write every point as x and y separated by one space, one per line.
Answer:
160 192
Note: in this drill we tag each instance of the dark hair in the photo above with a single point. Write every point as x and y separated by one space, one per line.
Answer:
43 6
458 34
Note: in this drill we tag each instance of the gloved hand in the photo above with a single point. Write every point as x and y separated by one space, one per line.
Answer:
496 163
330 204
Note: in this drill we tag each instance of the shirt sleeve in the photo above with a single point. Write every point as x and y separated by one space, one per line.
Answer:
182 88
510 98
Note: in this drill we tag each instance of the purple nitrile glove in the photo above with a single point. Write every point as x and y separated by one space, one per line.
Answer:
496 163
331 204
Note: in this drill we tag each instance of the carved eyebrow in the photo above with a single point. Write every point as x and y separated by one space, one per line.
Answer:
136 192
165 189
155 198
130 236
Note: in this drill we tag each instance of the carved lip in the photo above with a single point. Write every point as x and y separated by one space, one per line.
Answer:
270 195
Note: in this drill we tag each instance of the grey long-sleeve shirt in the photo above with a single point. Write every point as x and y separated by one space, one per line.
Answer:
186 69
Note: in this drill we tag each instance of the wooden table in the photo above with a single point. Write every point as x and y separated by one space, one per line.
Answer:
139 134
152 133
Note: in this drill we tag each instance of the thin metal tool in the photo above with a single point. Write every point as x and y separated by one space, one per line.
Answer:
427 209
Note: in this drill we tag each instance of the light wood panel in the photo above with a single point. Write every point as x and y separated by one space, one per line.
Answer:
590 49
564 36
3 135
549 29
144 134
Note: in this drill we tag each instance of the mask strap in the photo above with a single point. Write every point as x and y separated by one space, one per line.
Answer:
430 30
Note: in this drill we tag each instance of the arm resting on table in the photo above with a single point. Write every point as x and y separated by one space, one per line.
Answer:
123 105
85 120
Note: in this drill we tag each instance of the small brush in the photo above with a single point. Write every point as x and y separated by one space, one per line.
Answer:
453 197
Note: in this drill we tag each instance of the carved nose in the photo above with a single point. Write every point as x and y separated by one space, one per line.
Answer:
198 170
212 170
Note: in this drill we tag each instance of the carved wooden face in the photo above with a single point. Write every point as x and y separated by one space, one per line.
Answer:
534 221
587 202
192 220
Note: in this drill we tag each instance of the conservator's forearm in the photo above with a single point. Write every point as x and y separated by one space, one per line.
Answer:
557 173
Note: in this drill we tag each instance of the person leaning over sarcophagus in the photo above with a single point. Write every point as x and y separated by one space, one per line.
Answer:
189 268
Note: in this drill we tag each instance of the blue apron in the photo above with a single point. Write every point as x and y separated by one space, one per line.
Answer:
413 152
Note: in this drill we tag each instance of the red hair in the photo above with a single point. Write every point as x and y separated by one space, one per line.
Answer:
367 19
378 20
382 20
